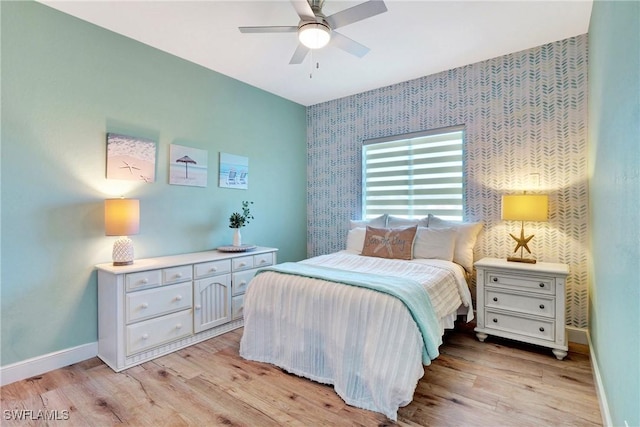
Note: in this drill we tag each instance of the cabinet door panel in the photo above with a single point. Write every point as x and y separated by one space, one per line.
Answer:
212 302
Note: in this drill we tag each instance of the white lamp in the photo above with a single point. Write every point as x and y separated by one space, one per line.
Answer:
524 207
122 218
314 35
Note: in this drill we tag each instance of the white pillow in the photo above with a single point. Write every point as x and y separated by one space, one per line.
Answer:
355 239
466 236
396 221
377 222
433 243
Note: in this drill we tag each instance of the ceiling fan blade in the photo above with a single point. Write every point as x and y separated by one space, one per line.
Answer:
268 29
303 9
356 13
299 54
348 45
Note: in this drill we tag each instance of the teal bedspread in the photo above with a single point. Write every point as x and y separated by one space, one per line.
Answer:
412 294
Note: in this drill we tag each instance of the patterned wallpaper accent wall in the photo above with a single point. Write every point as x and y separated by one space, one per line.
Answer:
525 116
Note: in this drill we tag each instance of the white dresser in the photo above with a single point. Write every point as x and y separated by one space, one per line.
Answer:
158 305
524 302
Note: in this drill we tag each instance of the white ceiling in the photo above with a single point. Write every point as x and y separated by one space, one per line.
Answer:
412 39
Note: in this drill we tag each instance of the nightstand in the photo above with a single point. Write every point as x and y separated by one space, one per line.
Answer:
523 302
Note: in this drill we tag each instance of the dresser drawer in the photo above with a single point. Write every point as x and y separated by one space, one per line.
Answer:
242 263
539 284
540 305
240 281
157 301
543 329
212 268
176 274
262 260
237 307
150 333
143 279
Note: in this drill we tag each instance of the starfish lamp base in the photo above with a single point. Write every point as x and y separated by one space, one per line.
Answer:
523 243
527 260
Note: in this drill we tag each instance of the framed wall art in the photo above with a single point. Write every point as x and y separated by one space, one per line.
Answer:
187 166
234 171
131 158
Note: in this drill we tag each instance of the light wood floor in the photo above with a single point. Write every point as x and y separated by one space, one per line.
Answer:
496 383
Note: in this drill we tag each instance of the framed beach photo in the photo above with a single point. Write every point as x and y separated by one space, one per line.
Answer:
234 171
131 158
187 166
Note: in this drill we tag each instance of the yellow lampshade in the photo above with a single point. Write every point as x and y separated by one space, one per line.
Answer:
121 217
525 207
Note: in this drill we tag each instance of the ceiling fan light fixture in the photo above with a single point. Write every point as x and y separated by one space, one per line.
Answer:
314 35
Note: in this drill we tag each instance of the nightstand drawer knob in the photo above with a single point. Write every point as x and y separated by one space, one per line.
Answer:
541 285
541 329
495 279
495 299
495 320
541 306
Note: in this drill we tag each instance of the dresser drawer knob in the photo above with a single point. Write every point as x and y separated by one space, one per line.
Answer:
541 285
179 275
213 269
145 336
144 305
179 326
178 297
541 306
495 279
495 320
242 264
541 329
144 281
495 299
198 306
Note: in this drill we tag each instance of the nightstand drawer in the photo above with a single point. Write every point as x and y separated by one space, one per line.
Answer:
540 284
543 329
153 302
205 269
150 333
531 304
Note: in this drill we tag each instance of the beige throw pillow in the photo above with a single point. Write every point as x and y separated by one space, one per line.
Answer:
393 243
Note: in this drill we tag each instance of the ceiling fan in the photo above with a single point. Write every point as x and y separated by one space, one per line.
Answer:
315 30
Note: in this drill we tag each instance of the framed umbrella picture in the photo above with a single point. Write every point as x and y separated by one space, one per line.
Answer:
187 166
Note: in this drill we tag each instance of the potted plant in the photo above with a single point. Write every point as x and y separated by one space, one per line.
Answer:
238 220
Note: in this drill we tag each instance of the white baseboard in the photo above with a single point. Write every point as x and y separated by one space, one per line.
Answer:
602 397
578 335
48 362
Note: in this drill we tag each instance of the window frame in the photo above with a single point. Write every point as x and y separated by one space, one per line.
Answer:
410 137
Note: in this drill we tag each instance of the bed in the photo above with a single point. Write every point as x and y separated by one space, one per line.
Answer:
364 323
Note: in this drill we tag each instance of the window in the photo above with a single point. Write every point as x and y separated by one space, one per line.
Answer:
413 175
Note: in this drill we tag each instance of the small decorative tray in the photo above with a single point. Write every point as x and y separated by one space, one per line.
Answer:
241 248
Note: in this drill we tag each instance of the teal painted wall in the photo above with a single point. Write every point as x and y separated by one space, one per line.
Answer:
65 84
614 164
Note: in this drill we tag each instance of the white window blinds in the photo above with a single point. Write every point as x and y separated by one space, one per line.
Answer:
413 175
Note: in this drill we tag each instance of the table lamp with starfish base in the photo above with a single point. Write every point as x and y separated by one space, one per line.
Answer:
524 207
